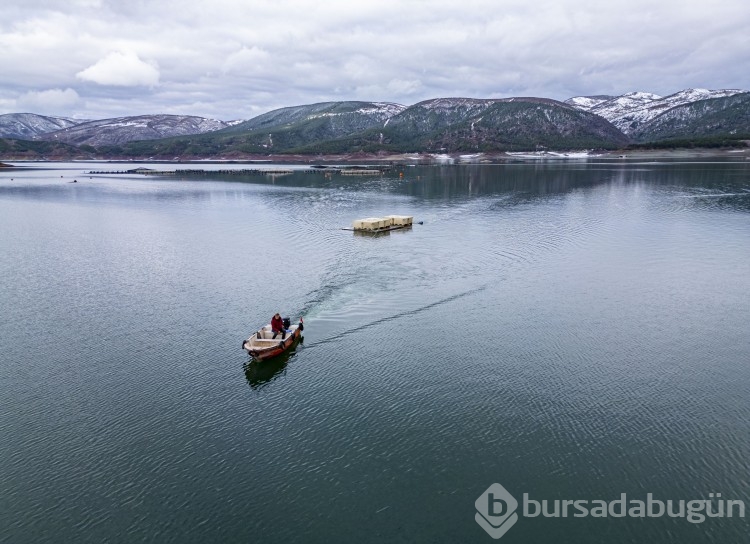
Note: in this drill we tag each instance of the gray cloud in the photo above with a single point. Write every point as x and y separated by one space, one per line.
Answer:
49 102
233 59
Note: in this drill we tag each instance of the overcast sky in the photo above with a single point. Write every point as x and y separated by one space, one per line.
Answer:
237 59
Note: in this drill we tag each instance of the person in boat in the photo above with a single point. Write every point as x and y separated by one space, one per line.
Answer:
277 326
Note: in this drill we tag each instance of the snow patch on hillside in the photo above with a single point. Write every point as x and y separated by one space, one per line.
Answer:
382 111
126 129
30 126
451 104
631 110
586 102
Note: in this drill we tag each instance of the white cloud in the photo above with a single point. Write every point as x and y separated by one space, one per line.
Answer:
50 101
121 69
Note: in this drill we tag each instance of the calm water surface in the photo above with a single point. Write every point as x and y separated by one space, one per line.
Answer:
569 330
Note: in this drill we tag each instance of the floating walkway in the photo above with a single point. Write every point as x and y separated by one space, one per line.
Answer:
360 172
245 172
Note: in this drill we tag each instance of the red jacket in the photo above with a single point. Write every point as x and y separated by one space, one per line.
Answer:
277 324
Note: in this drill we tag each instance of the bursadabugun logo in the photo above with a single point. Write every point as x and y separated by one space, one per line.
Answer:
496 511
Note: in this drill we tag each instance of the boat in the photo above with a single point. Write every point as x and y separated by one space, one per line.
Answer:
262 345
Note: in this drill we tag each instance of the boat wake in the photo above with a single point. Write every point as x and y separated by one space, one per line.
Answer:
400 315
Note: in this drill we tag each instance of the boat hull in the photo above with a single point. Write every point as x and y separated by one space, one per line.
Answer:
262 353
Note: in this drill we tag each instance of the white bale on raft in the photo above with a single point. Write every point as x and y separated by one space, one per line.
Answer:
401 220
368 223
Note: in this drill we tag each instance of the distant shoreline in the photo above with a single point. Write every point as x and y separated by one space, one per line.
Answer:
425 158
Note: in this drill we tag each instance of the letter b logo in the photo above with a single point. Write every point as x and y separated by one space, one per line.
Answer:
495 506
496 511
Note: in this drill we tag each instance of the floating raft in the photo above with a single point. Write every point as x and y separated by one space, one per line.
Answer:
361 172
382 224
247 171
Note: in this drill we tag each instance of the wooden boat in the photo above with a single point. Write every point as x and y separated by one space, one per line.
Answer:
261 344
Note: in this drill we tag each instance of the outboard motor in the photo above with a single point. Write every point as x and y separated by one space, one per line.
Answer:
287 323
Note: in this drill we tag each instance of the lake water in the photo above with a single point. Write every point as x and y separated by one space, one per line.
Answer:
571 330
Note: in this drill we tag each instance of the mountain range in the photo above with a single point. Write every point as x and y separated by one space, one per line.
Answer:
438 125
29 126
629 111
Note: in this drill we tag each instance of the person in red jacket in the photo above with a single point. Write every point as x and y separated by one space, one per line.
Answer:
277 326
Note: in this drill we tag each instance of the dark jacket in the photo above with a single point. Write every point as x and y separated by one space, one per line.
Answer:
277 324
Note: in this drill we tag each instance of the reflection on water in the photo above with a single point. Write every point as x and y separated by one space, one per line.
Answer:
441 182
378 234
260 373
540 180
572 330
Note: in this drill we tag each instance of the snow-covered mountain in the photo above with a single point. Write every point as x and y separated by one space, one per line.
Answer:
121 130
299 126
438 113
587 102
28 126
463 124
344 117
629 111
721 117
437 125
